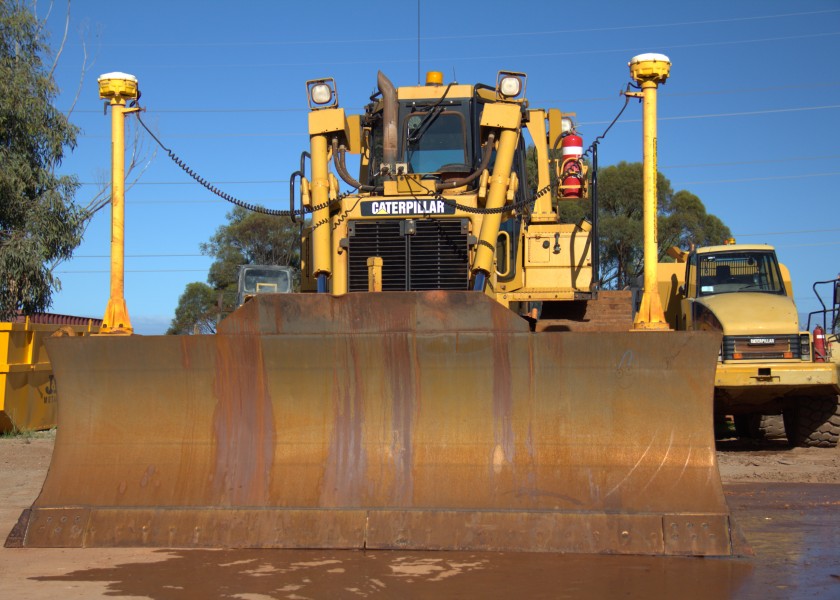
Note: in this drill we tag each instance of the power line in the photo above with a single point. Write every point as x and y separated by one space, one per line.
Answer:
105 271
753 112
202 136
130 201
165 255
808 245
215 110
333 63
751 162
208 201
322 42
787 159
787 232
634 49
662 94
673 118
75 272
152 111
665 94
731 114
138 255
106 184
761 90
773 178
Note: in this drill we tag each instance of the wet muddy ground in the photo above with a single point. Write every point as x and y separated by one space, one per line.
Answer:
792 524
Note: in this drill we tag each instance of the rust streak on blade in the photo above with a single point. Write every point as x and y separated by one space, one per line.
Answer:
403 383
243 424
504 453
346 466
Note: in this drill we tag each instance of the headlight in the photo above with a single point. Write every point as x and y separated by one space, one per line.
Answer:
567 125
510 85
322 93
805 346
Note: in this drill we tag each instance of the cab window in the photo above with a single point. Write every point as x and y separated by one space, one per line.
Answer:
434 139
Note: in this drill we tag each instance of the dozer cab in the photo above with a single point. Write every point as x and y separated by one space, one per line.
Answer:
408 398
262 279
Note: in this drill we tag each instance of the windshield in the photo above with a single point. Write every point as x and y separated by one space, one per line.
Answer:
435 139
741 271
258 281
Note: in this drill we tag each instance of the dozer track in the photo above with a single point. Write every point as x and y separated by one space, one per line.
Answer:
415 420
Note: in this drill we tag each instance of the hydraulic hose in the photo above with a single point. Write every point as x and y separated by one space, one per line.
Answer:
341 167
486 152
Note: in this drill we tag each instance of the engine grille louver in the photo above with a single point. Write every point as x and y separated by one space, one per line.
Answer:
422 254
760 347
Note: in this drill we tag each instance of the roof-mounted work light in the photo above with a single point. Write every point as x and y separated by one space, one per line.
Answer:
322 93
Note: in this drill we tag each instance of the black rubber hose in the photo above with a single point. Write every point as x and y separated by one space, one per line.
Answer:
341 167
486 151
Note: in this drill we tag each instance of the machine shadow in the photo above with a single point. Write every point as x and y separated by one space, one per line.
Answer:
188 574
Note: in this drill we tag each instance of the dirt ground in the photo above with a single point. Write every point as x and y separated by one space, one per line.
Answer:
773 461
778 496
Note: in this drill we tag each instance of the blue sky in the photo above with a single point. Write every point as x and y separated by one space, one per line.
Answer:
749 120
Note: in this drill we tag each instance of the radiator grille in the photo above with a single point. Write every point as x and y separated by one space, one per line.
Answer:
423 254
756 347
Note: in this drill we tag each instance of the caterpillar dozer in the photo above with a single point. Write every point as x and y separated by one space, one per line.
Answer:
408 398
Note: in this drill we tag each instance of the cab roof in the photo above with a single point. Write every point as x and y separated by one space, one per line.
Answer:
434 92
735 248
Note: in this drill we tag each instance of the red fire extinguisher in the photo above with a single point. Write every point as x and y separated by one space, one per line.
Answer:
819 344
572 147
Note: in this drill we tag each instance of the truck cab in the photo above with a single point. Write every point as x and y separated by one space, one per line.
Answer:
766 364
727 286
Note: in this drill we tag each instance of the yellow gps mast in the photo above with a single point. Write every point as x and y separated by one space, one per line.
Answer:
118 88
649 70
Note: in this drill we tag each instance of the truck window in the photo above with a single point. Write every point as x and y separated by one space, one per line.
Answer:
257 281
690 277
434 140
740 271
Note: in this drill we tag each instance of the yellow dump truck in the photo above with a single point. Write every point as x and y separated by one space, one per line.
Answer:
408 398
28 395
766 364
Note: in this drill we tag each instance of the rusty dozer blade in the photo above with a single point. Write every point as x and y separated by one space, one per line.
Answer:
428 420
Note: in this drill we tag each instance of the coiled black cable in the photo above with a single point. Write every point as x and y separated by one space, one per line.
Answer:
598 139
230 198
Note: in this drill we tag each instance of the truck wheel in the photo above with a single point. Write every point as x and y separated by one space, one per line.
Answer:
745 426
760 427
813 422
771 427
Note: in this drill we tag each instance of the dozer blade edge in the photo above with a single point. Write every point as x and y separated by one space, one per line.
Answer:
415 420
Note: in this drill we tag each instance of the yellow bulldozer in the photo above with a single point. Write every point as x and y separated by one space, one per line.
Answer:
449 377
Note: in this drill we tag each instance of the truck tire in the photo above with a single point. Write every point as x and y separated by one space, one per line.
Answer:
813 422
771 427
759 427
745 426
